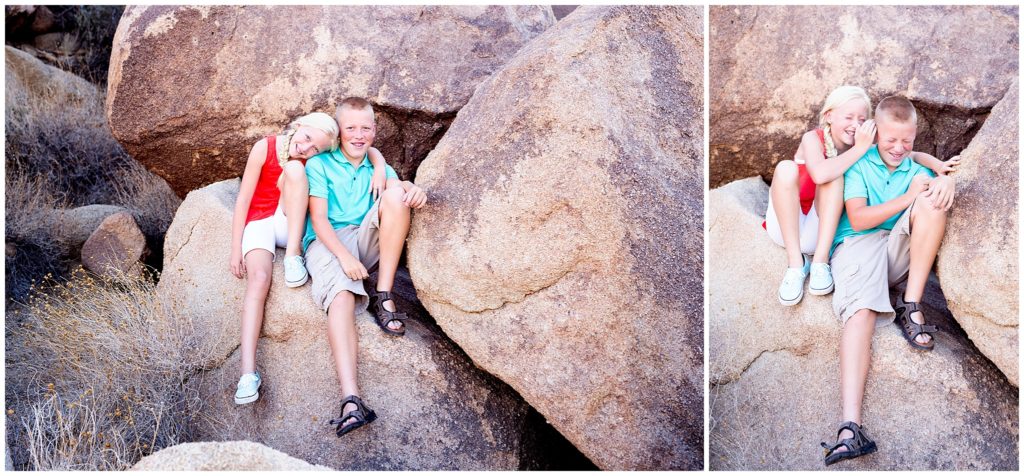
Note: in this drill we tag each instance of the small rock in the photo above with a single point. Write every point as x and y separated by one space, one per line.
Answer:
117 243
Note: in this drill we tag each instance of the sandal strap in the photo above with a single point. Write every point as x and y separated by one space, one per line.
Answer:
359 413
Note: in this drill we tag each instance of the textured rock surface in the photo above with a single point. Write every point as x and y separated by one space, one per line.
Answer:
774 370
117 243
562 249
75 225
435 410
225 456
978 262
954 62
192 88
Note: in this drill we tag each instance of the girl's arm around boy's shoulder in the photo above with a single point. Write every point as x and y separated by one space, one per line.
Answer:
934 164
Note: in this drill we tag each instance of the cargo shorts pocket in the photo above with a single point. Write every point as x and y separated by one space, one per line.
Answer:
847 286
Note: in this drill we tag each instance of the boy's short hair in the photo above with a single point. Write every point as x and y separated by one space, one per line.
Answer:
896 108
352 102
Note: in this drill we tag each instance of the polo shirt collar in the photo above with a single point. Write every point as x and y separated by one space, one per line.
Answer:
339 156
876 159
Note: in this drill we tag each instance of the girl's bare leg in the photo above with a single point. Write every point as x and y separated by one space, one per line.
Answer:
785 193
295 198
828 202
258 265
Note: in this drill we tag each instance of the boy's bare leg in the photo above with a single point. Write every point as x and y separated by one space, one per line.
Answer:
785 193
928 226
828 202
854 360
395 218
258 271
343 338
295 195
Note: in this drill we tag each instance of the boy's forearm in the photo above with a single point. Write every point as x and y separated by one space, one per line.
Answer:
867 217
325 233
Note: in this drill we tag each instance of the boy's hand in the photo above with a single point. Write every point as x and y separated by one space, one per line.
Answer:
414 196
918 185
950 165
940 193
865 134
377 182
353 268
236 263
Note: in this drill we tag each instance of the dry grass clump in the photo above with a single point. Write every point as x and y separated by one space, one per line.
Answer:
98 374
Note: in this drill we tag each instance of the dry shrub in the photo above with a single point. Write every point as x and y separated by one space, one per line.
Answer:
57 135
31 248
99 374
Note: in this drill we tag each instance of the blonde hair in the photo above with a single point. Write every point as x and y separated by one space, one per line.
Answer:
318 120
836 98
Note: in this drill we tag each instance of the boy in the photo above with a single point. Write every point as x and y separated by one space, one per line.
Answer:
347 234
890 232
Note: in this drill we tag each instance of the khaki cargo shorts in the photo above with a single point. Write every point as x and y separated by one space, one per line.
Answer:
328 279
866 266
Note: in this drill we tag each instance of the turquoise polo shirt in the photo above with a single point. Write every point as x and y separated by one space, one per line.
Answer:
869 178
346 188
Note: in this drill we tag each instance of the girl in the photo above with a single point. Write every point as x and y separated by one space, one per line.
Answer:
806 196
271 212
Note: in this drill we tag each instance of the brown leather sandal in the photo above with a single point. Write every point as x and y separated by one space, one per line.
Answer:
384 316
912 329
858 445
359 417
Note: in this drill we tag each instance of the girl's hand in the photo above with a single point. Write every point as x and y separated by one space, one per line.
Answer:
865 134
236 263
377 183
950 165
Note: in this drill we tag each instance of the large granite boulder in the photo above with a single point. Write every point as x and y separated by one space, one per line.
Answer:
224 456
190 89
774 370
978 262
562 247
435 410
953 62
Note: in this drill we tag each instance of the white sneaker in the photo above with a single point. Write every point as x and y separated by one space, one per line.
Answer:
792 289
295 274
248 388
821 279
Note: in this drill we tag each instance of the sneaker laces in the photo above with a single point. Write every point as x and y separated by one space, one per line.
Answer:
247 379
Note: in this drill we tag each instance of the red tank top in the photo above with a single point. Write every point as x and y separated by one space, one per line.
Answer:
266 196
804 181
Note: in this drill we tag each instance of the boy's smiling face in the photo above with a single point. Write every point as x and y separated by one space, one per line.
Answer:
358 130
895 140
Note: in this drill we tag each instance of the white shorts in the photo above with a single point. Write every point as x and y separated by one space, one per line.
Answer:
267 234
808 228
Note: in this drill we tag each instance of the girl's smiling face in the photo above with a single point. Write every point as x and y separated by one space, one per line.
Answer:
845 119
307 142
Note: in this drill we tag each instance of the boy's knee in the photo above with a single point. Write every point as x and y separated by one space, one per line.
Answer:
392 197
923 209
343 301
786 171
